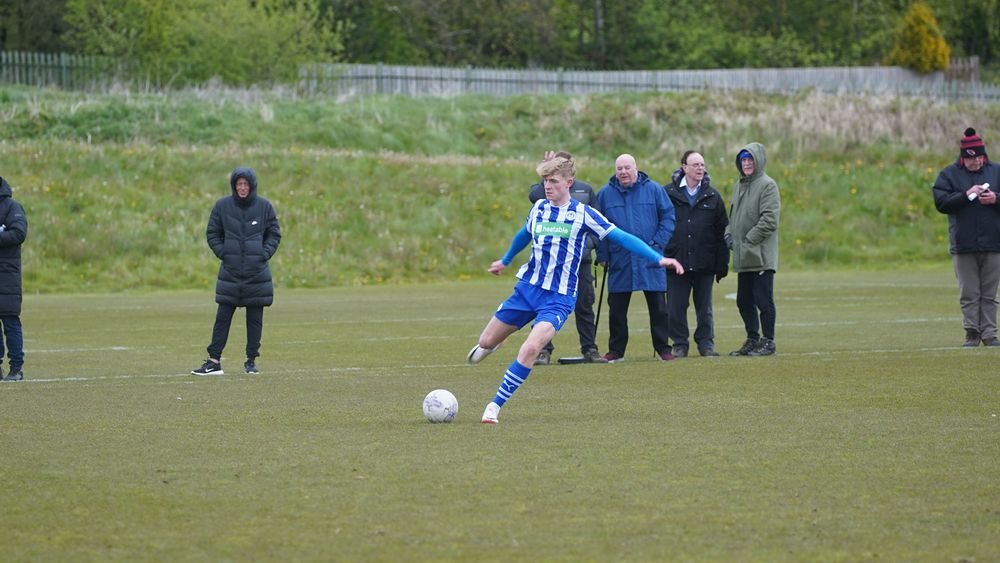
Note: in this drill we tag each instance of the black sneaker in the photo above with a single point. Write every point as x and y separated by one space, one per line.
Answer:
971 338
744 350
707 351
765 347
250 367
14 375
209 368
544 358
680 351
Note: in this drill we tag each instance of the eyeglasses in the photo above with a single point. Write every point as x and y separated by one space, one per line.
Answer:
696 165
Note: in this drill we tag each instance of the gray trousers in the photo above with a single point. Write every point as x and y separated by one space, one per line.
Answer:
978 275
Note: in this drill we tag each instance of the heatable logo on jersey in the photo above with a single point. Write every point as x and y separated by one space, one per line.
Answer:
561 230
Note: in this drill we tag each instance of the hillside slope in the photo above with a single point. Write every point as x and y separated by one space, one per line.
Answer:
118 187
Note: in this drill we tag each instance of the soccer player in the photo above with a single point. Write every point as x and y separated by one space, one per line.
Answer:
556 229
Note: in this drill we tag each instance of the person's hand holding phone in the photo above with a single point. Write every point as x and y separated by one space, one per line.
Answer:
987 196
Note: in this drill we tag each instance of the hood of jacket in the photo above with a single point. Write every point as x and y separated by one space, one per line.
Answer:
251 176
759 158
5 190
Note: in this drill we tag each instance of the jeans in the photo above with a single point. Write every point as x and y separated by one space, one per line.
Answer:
220 332
14 338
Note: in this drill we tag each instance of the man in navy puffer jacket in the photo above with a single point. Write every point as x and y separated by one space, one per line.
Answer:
13 231
243 233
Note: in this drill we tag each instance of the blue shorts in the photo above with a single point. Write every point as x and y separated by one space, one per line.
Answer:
532 302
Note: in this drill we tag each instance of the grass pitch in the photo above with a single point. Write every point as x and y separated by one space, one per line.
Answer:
871 435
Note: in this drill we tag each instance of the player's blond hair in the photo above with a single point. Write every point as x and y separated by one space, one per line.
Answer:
562 166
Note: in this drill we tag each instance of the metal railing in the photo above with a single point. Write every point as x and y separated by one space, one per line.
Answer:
76 72
62 70
353 79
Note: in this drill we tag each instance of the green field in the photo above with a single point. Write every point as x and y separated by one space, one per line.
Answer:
871 435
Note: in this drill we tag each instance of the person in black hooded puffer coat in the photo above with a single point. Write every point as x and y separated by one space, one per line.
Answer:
243 232
13 231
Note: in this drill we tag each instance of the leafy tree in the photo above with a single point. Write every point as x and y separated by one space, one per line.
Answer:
139 34
377 31
187 41
263 41
920 45
972 27
32 25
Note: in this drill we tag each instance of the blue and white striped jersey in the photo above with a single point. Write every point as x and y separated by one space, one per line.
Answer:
558 239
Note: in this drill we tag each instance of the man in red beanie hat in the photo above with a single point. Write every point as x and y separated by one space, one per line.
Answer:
965 192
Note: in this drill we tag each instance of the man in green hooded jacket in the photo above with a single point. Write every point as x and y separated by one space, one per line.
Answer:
753 236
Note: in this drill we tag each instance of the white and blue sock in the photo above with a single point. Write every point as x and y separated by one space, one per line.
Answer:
512 379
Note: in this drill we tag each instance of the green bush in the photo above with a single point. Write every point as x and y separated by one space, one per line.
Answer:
919 44
178 42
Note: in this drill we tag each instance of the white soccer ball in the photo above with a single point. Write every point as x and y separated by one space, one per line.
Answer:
440 406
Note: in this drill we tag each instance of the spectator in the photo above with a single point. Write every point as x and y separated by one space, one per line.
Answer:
638 205
961 192
584 311
753 234
13 231
699 243
243 233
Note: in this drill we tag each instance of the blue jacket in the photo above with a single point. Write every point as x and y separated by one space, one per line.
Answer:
643 210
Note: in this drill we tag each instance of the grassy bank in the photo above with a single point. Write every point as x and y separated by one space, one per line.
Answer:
118 187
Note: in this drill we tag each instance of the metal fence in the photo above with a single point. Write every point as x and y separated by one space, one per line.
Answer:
75 72
442 81
63 70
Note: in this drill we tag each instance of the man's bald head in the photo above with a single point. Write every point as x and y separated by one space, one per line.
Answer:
625 170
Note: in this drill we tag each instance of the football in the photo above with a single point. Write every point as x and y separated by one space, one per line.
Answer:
440 406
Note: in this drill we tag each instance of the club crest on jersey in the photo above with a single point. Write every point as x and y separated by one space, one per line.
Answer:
570 215
548 228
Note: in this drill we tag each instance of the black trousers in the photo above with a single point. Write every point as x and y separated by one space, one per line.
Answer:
755 295
679 291
618 321
584 310
220 332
